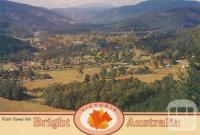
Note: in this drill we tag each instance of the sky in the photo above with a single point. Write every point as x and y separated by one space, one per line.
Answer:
70 3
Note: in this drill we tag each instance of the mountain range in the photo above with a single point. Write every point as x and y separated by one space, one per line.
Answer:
173 19
120 13
20 17
23 20
82 13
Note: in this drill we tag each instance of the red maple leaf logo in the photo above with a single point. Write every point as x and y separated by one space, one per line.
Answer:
99 119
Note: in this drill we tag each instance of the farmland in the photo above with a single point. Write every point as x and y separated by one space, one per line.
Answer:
72 75
63 76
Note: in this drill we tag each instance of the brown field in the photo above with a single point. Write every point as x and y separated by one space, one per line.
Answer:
65 77
72 75
24 106
158 74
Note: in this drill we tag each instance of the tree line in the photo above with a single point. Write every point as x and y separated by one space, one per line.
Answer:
12 90
129 95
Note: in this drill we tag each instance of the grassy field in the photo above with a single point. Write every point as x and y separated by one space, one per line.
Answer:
24 106
72 75
65 76
157 74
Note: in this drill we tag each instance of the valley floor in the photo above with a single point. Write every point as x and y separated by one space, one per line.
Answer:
71 75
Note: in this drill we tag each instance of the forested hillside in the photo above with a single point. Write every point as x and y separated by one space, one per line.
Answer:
173 19
176 45
11 47
121 13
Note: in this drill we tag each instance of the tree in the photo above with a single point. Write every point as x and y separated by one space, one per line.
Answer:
193 81
103 73
102 43
95 77
12 90
87 78
18 93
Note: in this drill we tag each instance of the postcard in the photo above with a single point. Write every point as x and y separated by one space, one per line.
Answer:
100 67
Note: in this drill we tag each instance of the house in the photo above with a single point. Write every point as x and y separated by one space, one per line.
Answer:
167 65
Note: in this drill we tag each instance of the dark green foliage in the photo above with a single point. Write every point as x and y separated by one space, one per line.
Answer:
11 45
175 45
87 78
12 90
166 91
103 73
157 42
54 96
12 49
129 95
102 43
19 74
193 81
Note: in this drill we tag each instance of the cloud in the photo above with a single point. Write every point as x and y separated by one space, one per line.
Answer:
69 3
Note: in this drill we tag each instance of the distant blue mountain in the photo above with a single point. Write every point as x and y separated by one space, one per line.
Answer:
83 12
95 5
173 19
121 13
